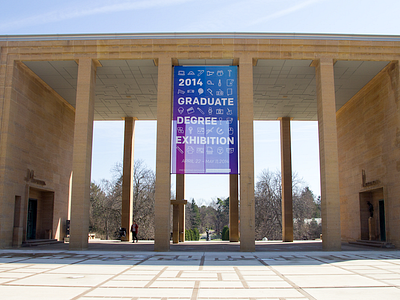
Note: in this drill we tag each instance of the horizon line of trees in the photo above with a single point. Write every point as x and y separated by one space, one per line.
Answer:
106 203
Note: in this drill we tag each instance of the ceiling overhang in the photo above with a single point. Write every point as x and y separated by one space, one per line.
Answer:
282 88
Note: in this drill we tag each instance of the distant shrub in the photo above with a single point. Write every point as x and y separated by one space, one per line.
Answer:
225 233
196 235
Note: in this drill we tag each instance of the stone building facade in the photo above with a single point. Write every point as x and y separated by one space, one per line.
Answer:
52 88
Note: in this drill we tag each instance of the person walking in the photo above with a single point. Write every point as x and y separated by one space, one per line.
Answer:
134 230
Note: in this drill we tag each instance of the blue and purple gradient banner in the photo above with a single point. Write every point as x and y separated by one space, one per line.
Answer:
205 127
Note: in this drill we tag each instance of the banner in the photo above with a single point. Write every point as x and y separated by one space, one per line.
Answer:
205 127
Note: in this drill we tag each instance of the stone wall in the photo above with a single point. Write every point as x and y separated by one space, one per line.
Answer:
368 139
41 128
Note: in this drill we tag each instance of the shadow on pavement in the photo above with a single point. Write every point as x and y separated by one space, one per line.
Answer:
204 246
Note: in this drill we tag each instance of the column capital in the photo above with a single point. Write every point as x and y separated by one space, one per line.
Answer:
322 61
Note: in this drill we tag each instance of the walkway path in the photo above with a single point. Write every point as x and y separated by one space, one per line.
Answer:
90 275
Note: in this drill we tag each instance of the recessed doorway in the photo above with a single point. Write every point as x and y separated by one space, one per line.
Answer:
32 219
372 215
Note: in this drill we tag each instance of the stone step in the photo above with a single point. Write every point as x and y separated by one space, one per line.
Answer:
379 244
30 243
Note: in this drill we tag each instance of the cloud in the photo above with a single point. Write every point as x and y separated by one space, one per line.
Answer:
94 8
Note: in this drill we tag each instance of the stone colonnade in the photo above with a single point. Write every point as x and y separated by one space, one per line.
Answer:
328 159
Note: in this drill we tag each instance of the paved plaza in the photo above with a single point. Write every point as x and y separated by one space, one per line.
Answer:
40 273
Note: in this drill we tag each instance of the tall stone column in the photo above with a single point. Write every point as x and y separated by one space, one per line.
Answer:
82 156
127 177
233 208
178 211
328 152
247 206
180 195
163 156
6 100
286 172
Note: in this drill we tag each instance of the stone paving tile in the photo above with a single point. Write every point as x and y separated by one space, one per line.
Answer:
311 280
14 275
141 292
384 276
201 276
40 293
173 284
367 293
125 283
320 270
247 294
76 280
220 284
269 284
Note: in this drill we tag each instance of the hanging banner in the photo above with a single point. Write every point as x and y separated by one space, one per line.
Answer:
205 127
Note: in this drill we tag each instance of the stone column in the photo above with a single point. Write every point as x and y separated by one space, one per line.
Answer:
175 222
180 195
6 100
163 156
247 207
286 172
233 208
82 156
330 199
127 178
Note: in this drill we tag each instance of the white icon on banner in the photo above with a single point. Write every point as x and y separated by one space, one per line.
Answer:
210 150
219 92
230 130
190 91
181 73
190 150
220 120
210 73
209 82
230 72
200 130
229 82
190 110
181 110
219 111
181 92
230 120
180 130
220 131
210 91
200 72
219 83
191 73
209 130
201 111
200 150
229 91
230 150
229 112
220 150
201 91
210 111
190 129
179 149
220 73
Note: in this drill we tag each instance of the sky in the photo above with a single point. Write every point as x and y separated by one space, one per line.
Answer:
170 16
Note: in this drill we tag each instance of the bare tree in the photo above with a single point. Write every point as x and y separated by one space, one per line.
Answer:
268 218
105 210
268 206
106 200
